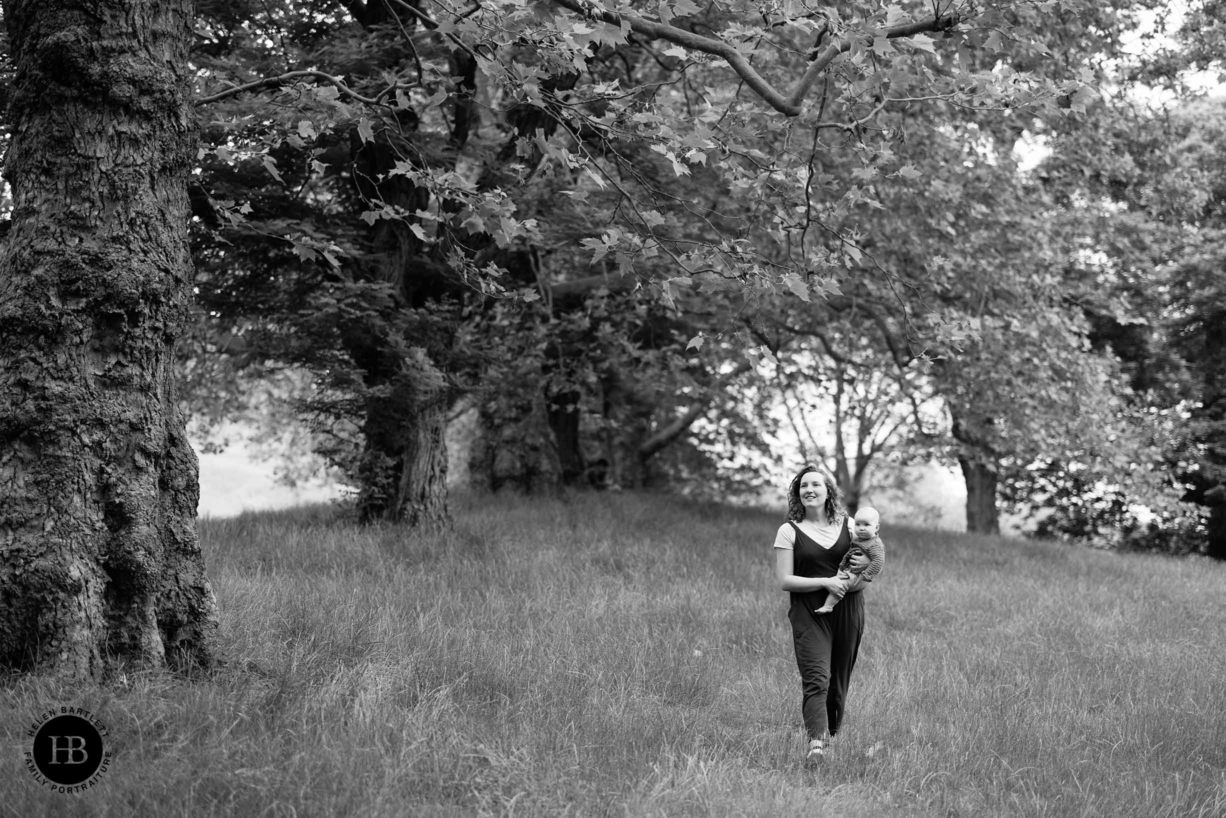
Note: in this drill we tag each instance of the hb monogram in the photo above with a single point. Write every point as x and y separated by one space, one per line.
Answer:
74 745
67 752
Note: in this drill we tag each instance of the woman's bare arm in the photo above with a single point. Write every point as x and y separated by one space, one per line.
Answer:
784 567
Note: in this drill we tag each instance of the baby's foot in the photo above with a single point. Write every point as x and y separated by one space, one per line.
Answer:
824 609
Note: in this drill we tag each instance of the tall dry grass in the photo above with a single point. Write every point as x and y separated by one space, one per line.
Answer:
623 655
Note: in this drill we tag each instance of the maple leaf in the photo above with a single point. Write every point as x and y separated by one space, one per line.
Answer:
270 165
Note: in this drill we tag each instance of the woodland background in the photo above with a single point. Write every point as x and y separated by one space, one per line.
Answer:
992 239
603 239
611 247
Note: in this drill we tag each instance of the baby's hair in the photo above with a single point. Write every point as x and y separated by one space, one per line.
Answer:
870 513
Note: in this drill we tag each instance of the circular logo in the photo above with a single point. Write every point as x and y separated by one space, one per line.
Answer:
67 752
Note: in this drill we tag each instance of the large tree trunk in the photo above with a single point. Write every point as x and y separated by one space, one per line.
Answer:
421 493
403 473
98 484
977 460
981 513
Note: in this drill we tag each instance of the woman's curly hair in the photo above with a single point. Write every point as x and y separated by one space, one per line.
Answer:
834 497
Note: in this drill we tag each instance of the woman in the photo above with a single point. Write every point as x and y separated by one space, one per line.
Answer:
808 549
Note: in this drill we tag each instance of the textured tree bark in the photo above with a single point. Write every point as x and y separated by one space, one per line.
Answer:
403 474
99 559
421 496
421 502
982 516
404 460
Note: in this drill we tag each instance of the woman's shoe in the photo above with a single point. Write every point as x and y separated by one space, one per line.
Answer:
816 752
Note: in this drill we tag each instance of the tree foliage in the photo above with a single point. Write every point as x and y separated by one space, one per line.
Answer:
421 201
1152 207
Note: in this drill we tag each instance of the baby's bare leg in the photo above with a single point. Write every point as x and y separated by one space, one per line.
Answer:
833 597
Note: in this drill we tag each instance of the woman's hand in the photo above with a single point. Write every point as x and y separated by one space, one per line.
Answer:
788 580
859 562
855 583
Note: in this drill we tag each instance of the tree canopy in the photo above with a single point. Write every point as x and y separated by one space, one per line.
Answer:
593 222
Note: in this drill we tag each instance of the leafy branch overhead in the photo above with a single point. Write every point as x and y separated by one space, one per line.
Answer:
577 189
829 44
600 92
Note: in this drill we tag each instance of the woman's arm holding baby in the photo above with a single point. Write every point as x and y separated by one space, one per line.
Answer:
785 566
788 581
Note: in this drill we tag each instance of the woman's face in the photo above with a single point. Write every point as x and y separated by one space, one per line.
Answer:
813 492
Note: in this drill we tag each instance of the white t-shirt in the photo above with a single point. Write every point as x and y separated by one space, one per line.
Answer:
825 537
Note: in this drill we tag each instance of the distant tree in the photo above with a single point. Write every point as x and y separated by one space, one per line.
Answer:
1196 321
98 484
1151 208
969 302
844 400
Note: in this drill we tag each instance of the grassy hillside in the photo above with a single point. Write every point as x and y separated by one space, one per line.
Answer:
621 655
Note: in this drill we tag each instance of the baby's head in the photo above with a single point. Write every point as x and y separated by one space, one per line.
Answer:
868 521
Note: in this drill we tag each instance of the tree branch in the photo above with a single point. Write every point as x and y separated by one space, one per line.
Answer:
784 391
842 304
674 430
760 335
887 335
942 22
818 450
276 82
432 24
789 104
583 286
838 358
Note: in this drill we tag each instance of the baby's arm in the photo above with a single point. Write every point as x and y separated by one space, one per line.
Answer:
874 549
845 563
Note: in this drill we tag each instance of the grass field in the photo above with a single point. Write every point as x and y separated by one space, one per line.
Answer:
623 655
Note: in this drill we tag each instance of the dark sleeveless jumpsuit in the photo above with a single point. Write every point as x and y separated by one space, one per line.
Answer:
826 644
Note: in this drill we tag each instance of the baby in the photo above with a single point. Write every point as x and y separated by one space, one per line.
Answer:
866 542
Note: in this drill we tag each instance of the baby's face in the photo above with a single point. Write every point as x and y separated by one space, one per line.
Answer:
866 528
